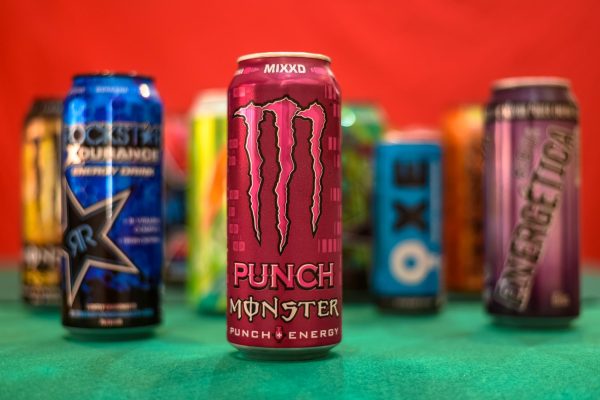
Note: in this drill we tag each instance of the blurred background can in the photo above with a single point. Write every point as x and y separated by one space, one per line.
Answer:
407 256
284 198
363 124
40 269
462 142
112 215
176 179
532 202
207 202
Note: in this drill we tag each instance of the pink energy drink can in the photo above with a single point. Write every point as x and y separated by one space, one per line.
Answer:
284 265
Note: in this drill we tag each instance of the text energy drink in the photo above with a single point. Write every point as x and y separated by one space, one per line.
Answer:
40 269
532 202
112 205
284 207
407 259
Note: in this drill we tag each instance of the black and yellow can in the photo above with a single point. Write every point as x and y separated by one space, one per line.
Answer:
41 188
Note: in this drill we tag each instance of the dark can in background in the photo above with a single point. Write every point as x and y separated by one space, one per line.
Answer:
284 211
40 269
407 259
532 202
363 124
176 143
112 205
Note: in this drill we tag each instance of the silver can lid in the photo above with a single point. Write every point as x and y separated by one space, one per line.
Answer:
273 54
529 81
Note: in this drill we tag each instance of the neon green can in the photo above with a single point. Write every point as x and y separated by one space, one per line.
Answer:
206 200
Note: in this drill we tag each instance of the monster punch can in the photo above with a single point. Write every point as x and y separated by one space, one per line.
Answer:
207 201
112 205
40 270
463 199
407 259
532 202
284 297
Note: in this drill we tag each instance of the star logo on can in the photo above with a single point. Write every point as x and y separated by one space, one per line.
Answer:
86 243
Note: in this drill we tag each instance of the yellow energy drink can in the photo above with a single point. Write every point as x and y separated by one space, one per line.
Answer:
207 204
40 276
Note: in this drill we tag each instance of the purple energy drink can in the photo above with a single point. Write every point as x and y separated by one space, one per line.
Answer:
532 202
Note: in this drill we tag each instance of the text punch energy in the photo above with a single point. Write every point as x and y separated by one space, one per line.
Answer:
407 257
112 205
40 269
532 202
284 207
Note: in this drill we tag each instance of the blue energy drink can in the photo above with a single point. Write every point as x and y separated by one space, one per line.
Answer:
112 214
407 257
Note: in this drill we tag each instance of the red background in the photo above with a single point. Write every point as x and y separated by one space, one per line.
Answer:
417 58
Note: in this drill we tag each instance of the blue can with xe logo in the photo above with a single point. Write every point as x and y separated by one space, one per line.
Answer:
407 258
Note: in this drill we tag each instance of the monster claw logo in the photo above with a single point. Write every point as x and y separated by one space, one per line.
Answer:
284 111
316 114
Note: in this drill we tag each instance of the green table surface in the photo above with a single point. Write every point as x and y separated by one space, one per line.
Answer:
457 354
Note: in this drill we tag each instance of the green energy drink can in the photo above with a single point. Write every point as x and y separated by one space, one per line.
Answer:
40 271
362 127
207 205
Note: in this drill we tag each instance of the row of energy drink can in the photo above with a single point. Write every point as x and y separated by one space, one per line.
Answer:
282 220
517 214
282 223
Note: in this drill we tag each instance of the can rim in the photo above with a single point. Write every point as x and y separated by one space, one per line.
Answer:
115 74
530 81
272 54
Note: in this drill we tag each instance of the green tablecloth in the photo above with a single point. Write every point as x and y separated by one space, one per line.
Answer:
456 354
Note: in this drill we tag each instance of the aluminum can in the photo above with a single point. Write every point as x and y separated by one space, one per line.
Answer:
532 202
362 127
207 203
407 249
113 225
284 207
462 142
176 143
40 268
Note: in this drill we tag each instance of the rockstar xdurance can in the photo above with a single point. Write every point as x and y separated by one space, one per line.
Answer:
532 202
112 205
284 207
